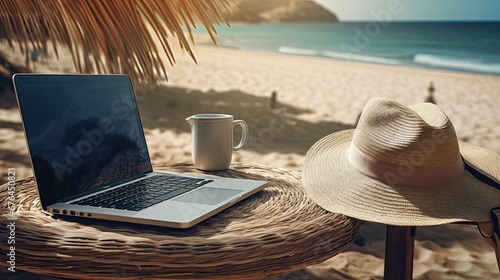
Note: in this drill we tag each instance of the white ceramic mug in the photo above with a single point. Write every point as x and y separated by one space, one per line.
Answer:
212 140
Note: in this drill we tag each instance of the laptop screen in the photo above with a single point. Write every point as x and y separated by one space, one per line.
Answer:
83 132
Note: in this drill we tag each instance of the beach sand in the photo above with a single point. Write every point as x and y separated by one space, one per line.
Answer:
316 97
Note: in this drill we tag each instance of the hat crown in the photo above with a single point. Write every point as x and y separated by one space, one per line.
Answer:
420 135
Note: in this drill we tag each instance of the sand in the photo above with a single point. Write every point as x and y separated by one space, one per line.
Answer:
315 97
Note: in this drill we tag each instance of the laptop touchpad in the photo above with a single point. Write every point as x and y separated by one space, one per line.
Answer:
208 195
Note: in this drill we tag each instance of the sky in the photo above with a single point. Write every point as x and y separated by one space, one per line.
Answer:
414 9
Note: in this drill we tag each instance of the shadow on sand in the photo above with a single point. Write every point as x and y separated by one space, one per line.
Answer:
271 130
7 96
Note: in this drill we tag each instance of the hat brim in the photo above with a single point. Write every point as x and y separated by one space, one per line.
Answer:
334 184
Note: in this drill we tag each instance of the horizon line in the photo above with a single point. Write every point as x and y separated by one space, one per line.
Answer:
428 20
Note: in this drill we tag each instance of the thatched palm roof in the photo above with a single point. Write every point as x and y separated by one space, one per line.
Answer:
109 36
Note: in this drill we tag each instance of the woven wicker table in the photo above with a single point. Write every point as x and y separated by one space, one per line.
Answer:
276 231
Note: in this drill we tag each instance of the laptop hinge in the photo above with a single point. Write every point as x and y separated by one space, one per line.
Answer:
98 189
123 181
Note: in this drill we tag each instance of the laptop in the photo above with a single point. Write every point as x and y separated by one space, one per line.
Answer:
90 158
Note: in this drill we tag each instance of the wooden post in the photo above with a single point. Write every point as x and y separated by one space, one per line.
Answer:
430 98
273 99
399 247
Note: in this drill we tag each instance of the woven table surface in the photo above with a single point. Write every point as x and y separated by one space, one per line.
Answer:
275 231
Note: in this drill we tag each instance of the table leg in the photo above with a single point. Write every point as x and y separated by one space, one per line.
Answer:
399 249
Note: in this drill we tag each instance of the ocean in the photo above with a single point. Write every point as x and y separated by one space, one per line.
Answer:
455 46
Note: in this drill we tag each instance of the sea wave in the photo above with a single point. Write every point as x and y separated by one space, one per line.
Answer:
338 55
297 51
361 58
457 63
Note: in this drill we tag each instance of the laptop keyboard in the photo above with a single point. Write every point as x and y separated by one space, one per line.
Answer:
144 193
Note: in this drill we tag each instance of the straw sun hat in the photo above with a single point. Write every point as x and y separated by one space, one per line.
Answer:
403 166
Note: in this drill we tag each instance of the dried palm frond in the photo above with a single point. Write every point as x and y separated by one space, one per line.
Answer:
109 36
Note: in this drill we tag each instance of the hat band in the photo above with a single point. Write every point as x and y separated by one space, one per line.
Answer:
404 175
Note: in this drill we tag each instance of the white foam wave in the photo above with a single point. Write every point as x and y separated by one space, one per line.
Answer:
361 58
296 51
457 63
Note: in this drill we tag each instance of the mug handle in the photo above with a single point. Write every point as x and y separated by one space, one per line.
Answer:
244 133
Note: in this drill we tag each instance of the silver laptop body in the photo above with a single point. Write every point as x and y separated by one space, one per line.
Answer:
90 158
